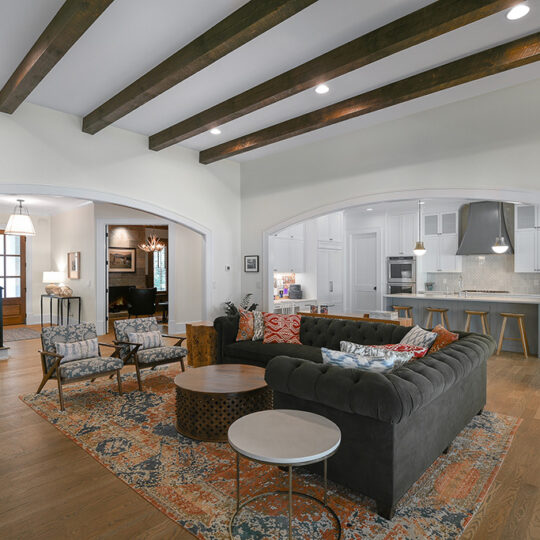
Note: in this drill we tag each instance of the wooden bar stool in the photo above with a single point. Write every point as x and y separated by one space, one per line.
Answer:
520 317
406 309
444 317
483 318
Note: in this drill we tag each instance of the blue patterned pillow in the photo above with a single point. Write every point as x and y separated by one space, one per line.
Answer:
148 340
78 350
398 358
419 337
366 363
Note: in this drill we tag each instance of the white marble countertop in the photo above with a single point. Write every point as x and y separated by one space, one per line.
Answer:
295 301
501 298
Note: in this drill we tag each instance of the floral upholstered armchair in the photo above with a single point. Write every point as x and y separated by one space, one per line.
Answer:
71 354
142 345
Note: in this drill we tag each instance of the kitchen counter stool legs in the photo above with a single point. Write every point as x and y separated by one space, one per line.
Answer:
483 319
444 317
407 310
520 317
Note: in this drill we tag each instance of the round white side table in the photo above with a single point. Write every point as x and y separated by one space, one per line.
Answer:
284 438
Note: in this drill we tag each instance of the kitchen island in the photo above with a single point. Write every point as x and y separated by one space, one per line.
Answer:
494 304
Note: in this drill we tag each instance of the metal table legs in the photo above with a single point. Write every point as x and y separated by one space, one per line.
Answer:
289 492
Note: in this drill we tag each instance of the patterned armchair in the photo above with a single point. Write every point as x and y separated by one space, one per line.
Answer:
55 366
151 357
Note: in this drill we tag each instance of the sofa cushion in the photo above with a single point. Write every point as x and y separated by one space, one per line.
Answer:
264 352
444 338
77 350
397 358
321 332
419 337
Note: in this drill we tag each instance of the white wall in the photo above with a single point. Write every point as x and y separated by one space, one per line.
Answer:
74 230
42 147
488 145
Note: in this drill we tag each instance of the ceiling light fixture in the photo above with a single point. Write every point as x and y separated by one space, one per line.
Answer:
419 248
517 12
369 209
19 223
215 131
322 89
153 243
500 246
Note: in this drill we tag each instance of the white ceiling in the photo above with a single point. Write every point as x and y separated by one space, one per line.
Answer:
39 205
133 36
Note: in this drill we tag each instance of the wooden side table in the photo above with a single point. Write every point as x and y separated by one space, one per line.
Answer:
201 343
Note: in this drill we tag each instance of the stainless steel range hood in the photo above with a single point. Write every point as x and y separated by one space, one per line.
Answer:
480 225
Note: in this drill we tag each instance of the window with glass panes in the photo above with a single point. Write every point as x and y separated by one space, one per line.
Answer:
11 265
160 269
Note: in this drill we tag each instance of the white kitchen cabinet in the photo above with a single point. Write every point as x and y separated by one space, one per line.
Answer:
330 276
286 254
527 239
441 242
330 228
401 234
294 232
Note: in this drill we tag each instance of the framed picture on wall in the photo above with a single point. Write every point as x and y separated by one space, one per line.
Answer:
251 263
121 259
74 265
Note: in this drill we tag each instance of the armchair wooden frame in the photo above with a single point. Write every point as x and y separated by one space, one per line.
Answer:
132 356
55 372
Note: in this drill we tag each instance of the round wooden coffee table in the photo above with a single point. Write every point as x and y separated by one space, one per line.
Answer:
210 398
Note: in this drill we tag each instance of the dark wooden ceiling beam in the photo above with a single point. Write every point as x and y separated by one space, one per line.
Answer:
426 23
67 26
245 24
489 62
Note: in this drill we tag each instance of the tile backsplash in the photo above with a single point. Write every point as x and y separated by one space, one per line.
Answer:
481 272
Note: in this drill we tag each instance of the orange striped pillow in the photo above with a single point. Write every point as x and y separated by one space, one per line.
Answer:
246 327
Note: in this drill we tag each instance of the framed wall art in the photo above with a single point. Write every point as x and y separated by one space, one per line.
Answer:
251 263
74 265
121 259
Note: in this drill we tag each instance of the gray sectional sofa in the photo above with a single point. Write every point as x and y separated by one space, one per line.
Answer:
393 425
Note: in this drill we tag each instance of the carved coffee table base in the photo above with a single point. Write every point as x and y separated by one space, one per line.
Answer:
206 416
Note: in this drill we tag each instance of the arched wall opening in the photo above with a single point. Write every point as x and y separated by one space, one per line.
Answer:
159 216
440 195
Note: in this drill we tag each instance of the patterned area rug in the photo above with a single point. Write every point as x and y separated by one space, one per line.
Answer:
193 482
20 334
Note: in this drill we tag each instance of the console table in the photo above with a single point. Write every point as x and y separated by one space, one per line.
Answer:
60 300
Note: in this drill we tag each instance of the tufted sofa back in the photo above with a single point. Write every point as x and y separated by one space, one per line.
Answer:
321 332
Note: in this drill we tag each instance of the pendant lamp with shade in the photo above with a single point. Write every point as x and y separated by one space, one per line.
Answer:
20 223
419 250
500 246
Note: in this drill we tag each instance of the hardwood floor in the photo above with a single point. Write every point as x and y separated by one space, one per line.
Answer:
51 488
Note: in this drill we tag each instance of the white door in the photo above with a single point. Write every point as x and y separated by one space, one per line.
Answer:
363 268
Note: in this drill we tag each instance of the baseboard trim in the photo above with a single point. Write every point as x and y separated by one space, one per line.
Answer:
36 319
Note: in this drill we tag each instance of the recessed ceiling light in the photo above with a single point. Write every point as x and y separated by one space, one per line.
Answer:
369 209
322 89
517 12
422 202
215 131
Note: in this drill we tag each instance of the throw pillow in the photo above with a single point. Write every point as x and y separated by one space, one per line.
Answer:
78 350
348 360
258 326
281 328
417 352
245 325
147 340
398 358
444 338
419 337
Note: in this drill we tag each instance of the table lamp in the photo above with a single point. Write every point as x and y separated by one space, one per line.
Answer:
52 278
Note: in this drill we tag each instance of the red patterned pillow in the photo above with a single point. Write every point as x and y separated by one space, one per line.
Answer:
246 326
281 328
417 351
444 338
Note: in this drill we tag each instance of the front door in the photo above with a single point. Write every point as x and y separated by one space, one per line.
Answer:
13 277
363 272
